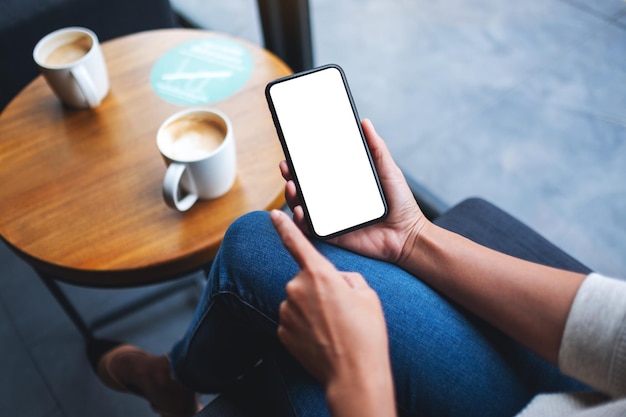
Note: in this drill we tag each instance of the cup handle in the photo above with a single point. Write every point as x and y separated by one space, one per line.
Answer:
171 187
86 85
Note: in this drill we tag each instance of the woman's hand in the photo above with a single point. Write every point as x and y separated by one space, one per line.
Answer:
332 322
385 240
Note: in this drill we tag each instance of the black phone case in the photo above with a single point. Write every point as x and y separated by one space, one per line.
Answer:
293 170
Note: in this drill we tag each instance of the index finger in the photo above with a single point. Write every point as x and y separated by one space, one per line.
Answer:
302 251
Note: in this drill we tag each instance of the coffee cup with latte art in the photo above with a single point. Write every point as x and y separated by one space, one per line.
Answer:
72 63
198 147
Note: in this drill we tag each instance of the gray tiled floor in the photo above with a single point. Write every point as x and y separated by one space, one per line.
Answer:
523 103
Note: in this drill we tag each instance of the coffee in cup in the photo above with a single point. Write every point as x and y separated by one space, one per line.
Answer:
70 52
192 137
199 149
72 62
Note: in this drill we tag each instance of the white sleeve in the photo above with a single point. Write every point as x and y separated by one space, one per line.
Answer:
593 349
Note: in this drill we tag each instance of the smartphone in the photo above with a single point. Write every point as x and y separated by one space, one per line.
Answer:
320 132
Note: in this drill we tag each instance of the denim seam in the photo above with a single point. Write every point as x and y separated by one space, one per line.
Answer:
246 304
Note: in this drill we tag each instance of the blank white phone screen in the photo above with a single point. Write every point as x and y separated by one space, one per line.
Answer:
327 152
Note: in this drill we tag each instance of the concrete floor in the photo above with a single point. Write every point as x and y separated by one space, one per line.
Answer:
522 103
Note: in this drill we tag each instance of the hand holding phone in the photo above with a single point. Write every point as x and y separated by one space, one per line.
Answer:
320 132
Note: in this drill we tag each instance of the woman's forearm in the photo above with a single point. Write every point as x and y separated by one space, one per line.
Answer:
529 302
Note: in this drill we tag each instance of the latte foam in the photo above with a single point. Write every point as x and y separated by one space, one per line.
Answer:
191 138
69 52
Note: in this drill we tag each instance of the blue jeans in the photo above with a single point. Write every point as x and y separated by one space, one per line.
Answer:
445 360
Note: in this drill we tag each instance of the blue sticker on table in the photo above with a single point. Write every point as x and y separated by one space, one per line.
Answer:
202 71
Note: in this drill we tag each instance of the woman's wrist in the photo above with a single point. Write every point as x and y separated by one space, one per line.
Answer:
411 251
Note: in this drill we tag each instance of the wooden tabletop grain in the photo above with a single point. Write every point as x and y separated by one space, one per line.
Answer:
80 190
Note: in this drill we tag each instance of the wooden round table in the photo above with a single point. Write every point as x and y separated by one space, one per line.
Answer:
80 190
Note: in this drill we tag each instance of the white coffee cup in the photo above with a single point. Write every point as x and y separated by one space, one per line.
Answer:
72 62
199 149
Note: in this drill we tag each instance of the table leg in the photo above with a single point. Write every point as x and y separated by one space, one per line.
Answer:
87 330
145 301
67 306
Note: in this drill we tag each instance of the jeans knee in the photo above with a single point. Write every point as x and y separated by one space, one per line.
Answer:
251 244
249 221
248 230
